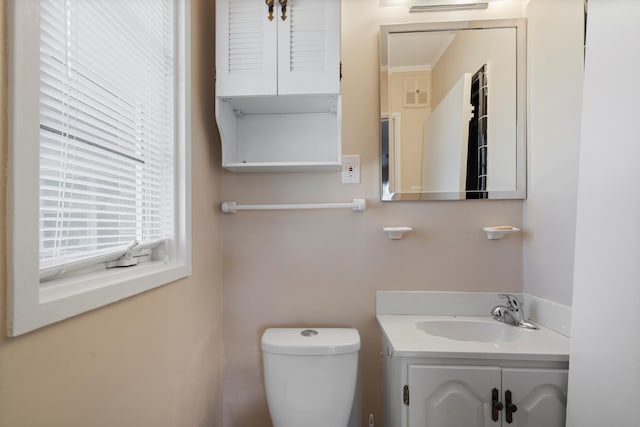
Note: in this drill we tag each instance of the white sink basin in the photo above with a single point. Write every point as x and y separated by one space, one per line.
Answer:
479 330
476 337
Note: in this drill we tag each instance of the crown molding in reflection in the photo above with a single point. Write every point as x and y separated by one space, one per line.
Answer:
445 5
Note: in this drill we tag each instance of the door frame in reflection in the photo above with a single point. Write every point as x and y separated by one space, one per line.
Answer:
391 179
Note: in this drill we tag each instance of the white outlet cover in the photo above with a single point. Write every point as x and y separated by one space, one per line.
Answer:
351 169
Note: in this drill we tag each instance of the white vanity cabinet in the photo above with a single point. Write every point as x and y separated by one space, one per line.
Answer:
484 396
278 103
472 392
445 363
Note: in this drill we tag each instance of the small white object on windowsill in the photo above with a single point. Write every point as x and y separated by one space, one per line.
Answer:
499 231
396 233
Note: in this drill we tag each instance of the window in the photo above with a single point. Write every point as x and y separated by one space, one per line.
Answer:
99 150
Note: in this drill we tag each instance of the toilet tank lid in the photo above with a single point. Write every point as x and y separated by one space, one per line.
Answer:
310 341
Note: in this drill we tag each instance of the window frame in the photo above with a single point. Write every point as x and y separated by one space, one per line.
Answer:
30 304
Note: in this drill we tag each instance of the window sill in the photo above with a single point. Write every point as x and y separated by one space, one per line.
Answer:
64 298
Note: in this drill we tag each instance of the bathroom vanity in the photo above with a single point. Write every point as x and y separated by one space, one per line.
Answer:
469 370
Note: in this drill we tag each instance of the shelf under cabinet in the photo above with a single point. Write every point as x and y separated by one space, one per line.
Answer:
282 104
280 133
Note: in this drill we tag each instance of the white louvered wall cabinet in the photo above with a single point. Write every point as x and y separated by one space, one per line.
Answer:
278 103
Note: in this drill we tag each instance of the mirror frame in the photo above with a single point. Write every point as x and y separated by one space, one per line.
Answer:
521 105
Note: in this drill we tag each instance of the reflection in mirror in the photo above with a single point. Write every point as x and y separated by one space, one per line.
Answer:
452 110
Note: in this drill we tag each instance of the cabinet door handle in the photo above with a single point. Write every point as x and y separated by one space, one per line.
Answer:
496 405
270 7
509 406
283 4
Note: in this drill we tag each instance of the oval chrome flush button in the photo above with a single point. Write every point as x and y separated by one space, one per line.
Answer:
309 333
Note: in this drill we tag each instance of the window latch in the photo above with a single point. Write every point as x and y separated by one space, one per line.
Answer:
126 260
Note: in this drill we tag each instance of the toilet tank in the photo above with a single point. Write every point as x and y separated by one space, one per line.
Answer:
310 375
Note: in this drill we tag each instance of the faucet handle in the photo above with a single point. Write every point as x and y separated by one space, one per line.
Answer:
513 303
515 309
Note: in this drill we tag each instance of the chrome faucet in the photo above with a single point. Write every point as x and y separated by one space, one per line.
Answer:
512 313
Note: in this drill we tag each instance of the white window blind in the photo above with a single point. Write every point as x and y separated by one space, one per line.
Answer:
107 127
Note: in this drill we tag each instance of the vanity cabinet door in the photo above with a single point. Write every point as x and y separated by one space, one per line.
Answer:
452 396
539 396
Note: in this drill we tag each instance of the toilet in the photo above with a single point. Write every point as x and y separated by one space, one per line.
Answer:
310 375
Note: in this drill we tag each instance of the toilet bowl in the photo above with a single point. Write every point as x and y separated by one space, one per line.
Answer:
310 375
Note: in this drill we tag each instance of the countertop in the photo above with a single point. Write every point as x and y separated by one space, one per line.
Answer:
518 343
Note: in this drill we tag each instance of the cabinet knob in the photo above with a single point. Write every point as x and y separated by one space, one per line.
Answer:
270 7
283 4
510 408
496 405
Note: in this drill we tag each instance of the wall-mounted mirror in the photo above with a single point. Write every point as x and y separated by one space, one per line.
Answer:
452 102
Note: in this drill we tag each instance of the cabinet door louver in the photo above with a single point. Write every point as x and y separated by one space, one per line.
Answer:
309 48
307 39
246 60
246 45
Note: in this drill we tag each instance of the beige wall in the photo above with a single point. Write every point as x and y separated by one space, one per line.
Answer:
411 131
384 92
468 52
154 359
322 268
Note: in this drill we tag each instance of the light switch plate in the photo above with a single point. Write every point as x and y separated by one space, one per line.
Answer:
351 169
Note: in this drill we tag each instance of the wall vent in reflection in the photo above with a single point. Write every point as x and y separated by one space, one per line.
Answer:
417 91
